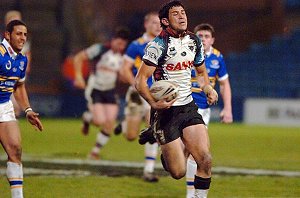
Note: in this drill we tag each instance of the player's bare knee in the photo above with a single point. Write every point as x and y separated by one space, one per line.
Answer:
130 138
130 135
98 122
178 174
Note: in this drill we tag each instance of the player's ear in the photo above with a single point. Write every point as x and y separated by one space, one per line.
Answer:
213 40
7 35
165 21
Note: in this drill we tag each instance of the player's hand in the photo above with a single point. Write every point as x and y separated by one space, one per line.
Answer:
79 82
32 117
162 104
226 116
212 97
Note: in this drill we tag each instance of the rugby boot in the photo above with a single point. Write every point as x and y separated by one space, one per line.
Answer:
85 128
150 177
118 129
146 135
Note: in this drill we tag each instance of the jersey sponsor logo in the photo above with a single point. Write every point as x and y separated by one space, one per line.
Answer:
8 65
180 65
153 51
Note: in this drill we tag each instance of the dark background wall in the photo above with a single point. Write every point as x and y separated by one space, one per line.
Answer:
259 39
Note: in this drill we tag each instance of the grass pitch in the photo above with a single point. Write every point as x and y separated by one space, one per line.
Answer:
235 145
119 187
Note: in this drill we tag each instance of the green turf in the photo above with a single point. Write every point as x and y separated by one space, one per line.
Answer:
92 186
234 145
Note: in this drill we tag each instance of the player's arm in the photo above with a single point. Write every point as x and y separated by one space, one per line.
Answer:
211 94
21 97
78 60
226 113
141 85
126 74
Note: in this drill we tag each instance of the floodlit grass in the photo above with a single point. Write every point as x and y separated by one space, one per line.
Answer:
235 145
93 186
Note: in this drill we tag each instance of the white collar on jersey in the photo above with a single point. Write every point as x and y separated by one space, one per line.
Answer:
9 49
209 52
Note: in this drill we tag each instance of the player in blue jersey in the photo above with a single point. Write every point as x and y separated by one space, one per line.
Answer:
136 108
10 16
13 66
100 90
217 72
178 127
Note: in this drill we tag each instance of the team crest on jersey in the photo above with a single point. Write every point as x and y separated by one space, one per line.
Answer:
22 65
215 64
8 65
171 51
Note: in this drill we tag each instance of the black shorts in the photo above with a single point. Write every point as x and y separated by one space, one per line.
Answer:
168 124
104 97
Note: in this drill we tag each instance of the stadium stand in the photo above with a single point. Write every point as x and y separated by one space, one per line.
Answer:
266 70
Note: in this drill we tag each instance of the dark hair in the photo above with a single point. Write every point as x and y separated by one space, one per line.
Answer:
164 11
205 26
122 32
10 26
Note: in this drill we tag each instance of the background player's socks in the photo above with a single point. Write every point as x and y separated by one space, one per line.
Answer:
201 186
14 175
86 118
101 140
191 169
150 157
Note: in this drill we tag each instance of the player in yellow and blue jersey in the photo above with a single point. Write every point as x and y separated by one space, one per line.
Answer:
13 66
136 108
217 72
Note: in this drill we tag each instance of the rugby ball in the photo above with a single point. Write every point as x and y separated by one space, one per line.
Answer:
164 89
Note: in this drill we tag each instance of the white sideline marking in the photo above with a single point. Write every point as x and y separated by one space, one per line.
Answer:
40 171
216 170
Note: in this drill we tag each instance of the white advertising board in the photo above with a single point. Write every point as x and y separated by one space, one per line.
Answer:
284 112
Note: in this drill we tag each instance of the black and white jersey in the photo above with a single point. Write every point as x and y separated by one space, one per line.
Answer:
174 58
107 66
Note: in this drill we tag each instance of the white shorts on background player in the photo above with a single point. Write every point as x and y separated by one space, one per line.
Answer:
205 113
7 112
133 108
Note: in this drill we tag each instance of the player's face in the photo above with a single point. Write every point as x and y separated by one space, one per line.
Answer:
118 45
17 38
152 26
178 19
206 38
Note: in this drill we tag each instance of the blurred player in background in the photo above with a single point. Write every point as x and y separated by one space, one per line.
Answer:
136 108
100 89
13 65
178 127
10 16
216 69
